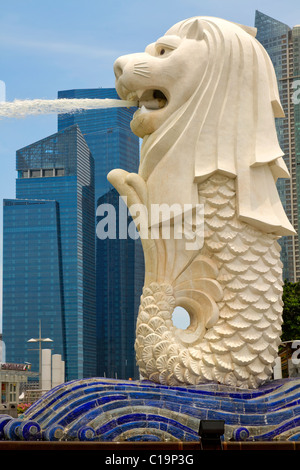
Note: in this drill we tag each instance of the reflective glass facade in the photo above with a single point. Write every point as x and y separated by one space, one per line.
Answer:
282 45
49 233
119 263
119 287
32 277
107 133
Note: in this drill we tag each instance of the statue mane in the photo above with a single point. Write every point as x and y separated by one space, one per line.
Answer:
228 123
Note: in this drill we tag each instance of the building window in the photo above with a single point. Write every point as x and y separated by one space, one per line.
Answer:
59 172
3 392
38 173
48 173
12 393
35 173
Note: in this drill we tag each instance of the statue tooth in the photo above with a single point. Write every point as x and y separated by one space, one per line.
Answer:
152 105
144 109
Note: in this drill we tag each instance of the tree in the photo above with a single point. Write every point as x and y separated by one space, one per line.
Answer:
291 311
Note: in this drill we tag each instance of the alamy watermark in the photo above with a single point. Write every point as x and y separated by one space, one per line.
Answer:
296 354
296 94
161 221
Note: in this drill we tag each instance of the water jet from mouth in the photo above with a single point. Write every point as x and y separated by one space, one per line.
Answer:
23 108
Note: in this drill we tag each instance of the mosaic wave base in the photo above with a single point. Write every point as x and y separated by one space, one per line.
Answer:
99 409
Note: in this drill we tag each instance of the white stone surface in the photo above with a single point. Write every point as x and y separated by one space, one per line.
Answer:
46 369
277 370
207 97
57 370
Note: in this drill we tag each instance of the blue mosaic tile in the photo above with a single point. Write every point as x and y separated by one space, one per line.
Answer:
225 405
252 419
131 417
279 416
140 408
230 418
109 436
110 397
295 437
4 419
149 437
106 427
113 405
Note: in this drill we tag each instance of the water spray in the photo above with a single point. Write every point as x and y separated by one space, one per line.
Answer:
23 108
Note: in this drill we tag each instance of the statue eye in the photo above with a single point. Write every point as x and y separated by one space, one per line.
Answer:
162 49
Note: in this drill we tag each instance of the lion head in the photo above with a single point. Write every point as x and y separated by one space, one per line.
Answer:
208 96
162 79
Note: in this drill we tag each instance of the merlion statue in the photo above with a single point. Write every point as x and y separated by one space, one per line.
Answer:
208 97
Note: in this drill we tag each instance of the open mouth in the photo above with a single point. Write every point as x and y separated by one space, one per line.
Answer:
149 100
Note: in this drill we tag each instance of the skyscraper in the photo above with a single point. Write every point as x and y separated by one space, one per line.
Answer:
283 46
107 133
119 262
48 253
119 286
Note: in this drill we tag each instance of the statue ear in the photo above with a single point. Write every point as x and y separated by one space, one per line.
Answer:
194 30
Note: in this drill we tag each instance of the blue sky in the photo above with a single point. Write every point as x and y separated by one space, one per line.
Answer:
46 46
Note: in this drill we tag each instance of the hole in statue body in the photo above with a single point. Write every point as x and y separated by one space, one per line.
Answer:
181 318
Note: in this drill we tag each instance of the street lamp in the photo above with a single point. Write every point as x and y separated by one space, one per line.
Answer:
40 340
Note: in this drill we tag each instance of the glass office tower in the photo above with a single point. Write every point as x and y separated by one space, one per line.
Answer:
283 45
119 287
107 133
49 255
119 263
32 278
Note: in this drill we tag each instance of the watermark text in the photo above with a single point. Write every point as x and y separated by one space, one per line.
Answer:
160 221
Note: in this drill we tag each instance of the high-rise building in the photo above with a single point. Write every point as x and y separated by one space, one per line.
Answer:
107 133
119 286
283 46
49 255
119 262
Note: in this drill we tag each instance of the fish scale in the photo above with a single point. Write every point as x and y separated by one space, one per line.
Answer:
239 348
